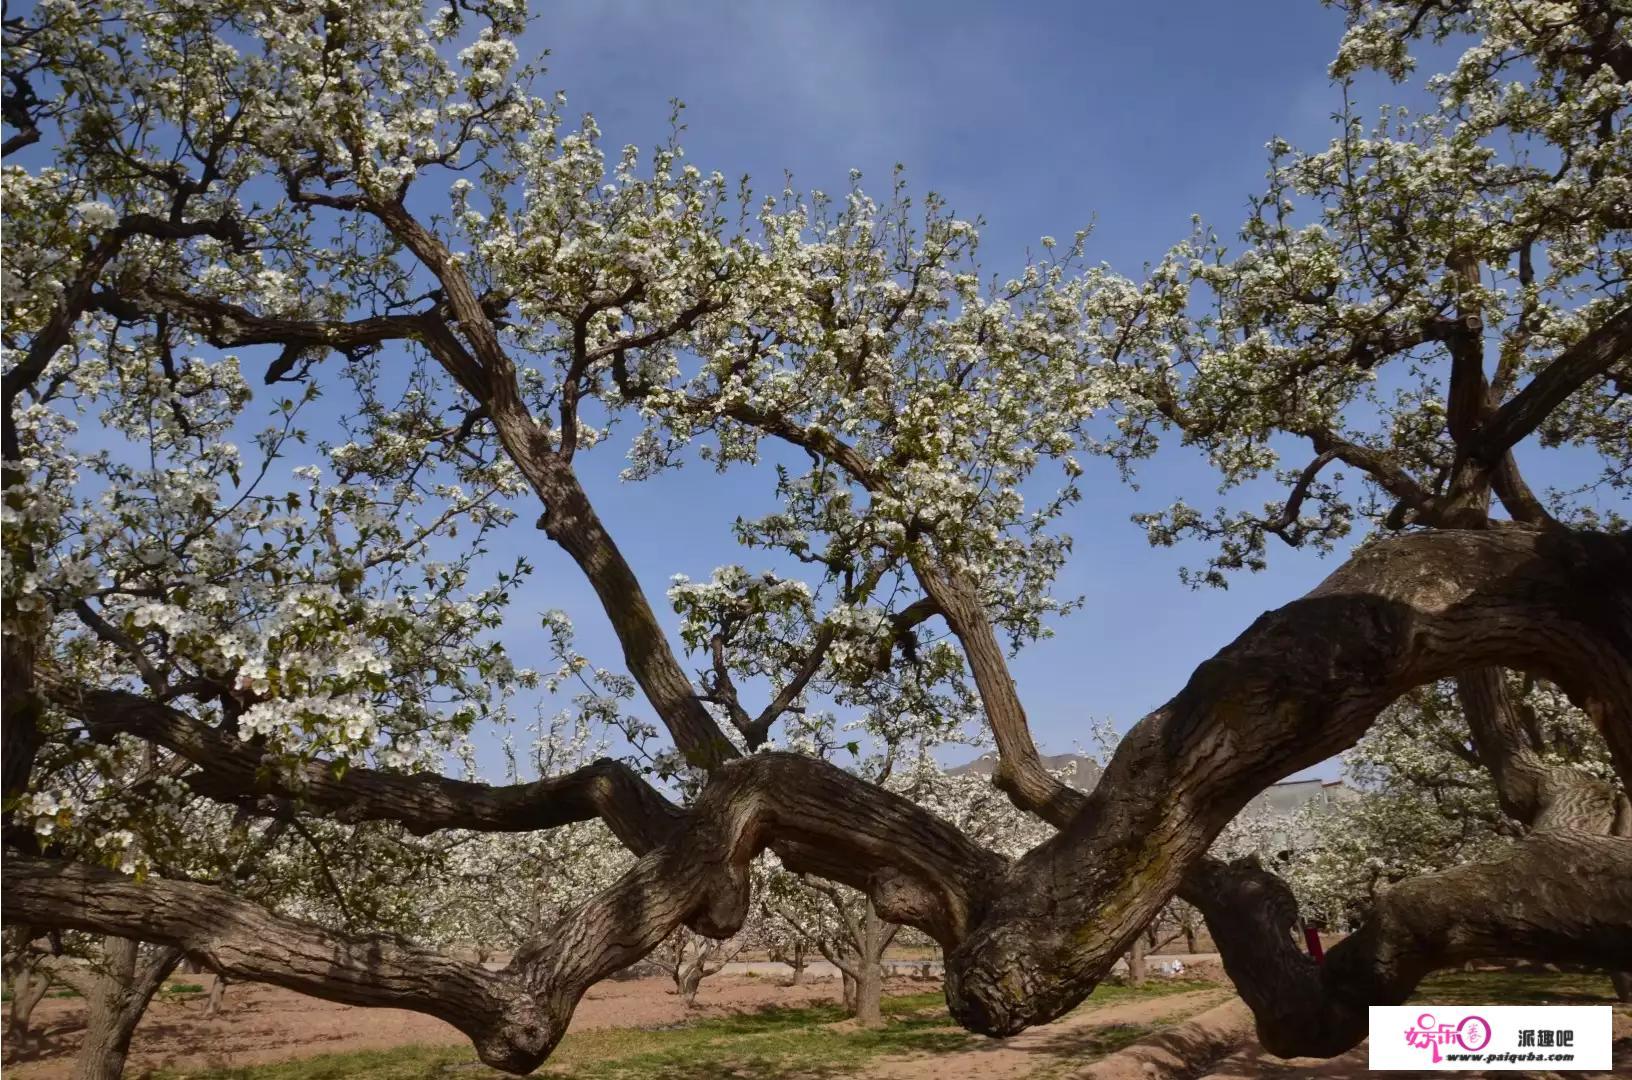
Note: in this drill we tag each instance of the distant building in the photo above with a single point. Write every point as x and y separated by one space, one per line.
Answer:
1283 800
1083 775
1290 796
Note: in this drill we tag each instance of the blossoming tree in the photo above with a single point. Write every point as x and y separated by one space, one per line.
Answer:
1426 802
358 200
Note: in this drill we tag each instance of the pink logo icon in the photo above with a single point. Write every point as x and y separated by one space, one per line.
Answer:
1472 1033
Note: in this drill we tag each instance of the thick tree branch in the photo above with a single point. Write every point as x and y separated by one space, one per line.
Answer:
1520 502
1019 772
760 728
1556 896
1531 792
918 870
571 521
77 299
227 325
1603 347
1303 683
1379 465
240 939
232 770
489 374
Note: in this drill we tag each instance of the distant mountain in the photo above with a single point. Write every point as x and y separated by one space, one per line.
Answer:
1281 800
1083 777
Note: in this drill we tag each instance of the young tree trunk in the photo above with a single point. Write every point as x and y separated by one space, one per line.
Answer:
121 995
218 993
1623 984
1136 961
1190 938
850 995
687 981
796 961
28 987
869 1009
875 938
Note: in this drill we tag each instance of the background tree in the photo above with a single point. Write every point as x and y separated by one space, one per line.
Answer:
843 927
29 980
246 178
688 958
1427 803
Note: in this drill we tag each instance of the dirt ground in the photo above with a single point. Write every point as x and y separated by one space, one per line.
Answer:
263 1023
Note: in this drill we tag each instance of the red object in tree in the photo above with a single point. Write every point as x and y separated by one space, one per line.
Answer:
1312 937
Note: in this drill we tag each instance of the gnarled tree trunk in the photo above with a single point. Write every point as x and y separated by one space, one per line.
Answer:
1563 893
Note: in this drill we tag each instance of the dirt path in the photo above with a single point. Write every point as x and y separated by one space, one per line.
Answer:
1051 1049
1059 1049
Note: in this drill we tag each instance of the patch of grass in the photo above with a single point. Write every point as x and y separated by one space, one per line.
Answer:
1106 1040
398 1063
184 988
768 1042
1116 991
771 1041
1517 988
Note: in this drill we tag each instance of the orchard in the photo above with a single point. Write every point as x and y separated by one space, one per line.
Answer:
313 312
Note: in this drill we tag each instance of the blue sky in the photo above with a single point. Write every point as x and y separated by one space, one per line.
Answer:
1041 118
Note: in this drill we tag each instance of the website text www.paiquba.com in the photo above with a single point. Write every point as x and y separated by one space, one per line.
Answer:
1509 1058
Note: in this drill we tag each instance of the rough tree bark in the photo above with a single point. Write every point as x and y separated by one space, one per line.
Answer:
1300 685
925 869
1562 897
876 936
